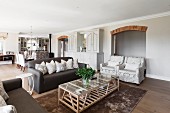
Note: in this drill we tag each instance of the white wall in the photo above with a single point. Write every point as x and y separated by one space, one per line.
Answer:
11 43
157 45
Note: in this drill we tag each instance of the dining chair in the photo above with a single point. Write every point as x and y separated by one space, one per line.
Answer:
22 62
17 60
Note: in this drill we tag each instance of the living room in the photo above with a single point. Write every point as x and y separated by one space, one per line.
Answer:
101 36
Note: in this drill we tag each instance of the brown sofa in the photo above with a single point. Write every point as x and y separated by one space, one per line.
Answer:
20 98
47 82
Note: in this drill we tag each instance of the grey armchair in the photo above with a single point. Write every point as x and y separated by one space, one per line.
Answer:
132 70
111 66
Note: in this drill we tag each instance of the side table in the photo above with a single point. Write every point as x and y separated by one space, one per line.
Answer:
29 77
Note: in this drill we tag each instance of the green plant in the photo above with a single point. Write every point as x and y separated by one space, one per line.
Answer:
85 73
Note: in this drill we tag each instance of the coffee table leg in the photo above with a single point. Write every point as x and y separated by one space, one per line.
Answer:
78 104
58 96
118 83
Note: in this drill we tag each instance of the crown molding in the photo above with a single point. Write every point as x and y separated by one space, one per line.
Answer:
158 15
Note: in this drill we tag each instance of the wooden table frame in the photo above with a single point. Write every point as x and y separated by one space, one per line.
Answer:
79 103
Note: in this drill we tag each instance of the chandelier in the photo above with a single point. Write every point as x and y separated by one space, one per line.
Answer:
3 35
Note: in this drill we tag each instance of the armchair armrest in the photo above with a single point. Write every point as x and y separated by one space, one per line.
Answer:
12 84
140 70
120 66
103 64
38 79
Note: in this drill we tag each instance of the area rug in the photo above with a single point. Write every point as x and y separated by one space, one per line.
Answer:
122 101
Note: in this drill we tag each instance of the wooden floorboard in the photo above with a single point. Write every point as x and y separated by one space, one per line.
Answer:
156 100
9 71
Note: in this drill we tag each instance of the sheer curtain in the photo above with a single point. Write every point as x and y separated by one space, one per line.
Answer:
1 47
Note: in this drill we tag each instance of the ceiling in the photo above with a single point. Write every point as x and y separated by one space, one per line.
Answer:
53 16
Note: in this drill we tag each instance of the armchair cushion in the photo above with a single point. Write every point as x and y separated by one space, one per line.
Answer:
119 59
108 68
112 64
135 60
131 66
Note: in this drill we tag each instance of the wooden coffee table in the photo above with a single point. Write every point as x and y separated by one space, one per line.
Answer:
79 97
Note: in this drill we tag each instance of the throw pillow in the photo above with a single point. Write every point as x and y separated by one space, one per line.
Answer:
68 64
2 91
2 101
41 67
131 66
75 63
59 67
112 64
51 67
8 109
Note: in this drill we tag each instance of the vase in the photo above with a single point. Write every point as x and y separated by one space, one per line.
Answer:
85 82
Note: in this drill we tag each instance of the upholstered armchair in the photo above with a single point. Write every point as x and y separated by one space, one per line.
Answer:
132 70
110 67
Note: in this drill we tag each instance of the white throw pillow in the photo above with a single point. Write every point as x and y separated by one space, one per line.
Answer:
75 63
2 91
131 66
51 67
112 64
41 67
2 101
8 109
59 67
68 64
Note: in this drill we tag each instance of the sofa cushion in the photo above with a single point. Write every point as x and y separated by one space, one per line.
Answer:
52 81
31 64
75 63
2 101
23 102
59 67
8 109
3 92
68 64
41 67
51 67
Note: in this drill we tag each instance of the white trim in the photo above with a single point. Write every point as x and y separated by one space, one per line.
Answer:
120 22
166 78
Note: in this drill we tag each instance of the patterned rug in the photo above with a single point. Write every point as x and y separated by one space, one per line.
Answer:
123 101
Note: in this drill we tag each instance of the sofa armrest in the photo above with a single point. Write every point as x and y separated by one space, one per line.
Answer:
82 65
12 84
38 79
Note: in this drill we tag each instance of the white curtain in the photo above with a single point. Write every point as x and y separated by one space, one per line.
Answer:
1 47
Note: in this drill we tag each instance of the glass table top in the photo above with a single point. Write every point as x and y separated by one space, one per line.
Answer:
77 87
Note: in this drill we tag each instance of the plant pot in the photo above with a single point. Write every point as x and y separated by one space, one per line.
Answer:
85 82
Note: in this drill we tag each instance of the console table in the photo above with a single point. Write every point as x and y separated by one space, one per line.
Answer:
7 57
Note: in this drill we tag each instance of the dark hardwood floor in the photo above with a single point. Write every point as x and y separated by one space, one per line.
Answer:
156 100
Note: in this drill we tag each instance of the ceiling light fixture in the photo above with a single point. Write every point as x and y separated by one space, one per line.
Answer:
3 35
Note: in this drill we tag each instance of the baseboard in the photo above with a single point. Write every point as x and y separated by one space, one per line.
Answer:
166 78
